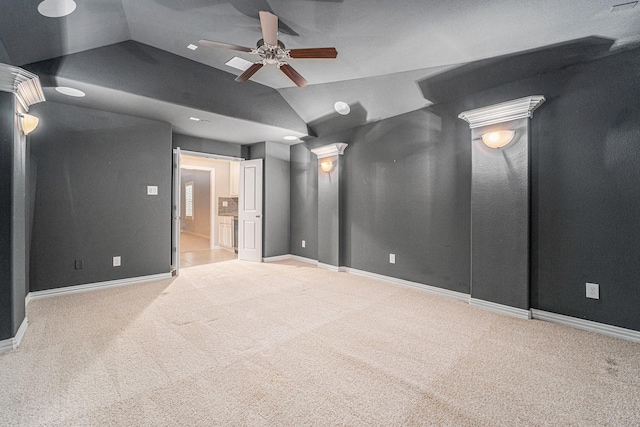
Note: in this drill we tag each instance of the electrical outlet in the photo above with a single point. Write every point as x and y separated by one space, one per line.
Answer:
593 290
78 264
152 190
117 261
304 244
392 258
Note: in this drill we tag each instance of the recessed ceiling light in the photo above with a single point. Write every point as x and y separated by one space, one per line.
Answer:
290 138
192 46
195 119
69 91
342 108
56 8
239 63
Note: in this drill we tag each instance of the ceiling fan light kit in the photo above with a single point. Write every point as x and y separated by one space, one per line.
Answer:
273 51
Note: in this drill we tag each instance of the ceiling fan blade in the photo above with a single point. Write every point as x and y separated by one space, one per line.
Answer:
269 24
293 75
225 45
249 72
316 52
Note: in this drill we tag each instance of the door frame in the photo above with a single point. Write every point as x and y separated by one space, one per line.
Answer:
176 185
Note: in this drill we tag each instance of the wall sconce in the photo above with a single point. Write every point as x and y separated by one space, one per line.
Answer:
327 165
28 123
498 138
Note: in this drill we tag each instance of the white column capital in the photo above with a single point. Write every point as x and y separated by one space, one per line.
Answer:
329 150
502 112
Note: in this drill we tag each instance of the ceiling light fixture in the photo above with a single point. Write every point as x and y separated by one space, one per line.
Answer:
56 8
498 139
291 138
195 119
192 46
28 123
342 108
69 91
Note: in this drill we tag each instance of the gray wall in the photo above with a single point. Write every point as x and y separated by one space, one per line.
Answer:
6 213
209 146
304 202
500 217
408 189
14 214
200 224
91 202
276 197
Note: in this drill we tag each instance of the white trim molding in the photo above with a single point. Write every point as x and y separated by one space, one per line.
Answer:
24 84
276 258
503 112
13 343
431 289
520 313
587 325
332 267
329 150
303 259
93 286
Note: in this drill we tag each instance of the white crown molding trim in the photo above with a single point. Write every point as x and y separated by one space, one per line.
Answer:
503 112
587 325
428 288
520 313
93 286
329 150
24 84
13 343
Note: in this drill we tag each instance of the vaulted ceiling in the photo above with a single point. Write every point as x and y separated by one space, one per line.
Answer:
131 56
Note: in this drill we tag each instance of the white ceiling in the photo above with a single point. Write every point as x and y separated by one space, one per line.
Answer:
384 47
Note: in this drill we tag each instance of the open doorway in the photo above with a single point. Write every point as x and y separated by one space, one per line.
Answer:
208 209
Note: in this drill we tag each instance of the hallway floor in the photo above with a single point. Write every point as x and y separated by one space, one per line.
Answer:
194 250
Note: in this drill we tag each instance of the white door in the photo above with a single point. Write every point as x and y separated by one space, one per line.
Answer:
175 214
250 211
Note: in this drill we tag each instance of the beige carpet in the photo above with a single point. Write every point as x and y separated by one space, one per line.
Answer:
236 343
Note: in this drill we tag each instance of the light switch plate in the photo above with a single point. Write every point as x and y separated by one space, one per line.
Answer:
116 261
304 244
593 291
225 204
392 258
152 190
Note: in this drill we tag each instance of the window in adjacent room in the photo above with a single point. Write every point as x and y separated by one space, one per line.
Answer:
188 200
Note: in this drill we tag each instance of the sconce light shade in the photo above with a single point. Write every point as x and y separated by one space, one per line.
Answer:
326 166
498 139
28 123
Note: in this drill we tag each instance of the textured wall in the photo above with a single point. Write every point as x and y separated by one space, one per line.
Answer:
500 217
6 212
408 189
91 202
304 202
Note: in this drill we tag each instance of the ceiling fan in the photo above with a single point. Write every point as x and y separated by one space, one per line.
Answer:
273 51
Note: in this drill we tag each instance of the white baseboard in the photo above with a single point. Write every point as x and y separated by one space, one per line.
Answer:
587 325
432 289
520 313
332 267
13 343
276 258
303 259
91 286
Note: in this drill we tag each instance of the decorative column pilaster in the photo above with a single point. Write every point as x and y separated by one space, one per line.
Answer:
330 205
500 206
